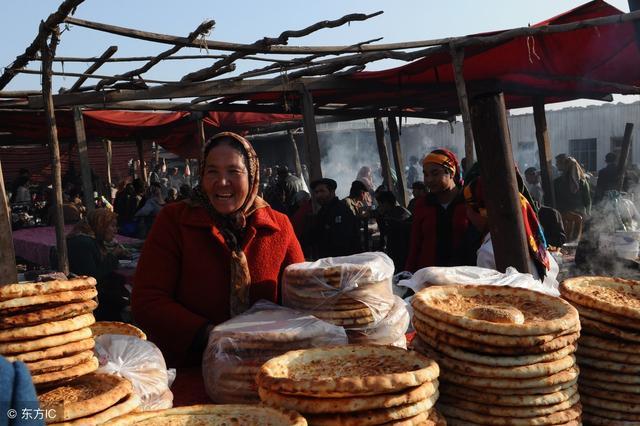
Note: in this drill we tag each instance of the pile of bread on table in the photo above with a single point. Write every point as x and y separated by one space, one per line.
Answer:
608 348
51 328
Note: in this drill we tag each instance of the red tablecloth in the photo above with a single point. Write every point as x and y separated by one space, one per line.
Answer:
34 244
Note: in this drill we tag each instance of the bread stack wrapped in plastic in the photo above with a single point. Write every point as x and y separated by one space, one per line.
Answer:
353 385
353 292
237 348
505 354
609 348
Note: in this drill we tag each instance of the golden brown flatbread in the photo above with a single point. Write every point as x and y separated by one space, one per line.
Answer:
346 371
15 306
510 411
454 414
57 364
47 329
54 352
15 291
509 400
56 377
58 313
44 343
543 314
535 382
127 405
85 396
612 295
115 327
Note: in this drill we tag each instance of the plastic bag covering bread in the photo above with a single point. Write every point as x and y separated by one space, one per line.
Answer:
351 291
437 275
238 347
142 363
390 331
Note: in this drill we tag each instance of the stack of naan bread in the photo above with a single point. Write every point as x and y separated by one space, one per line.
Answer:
353 292
47 326
353 385
609 348
92 399
237 348
231 414
505 354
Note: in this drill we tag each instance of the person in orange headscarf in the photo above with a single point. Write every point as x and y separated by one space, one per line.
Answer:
208 258
441 231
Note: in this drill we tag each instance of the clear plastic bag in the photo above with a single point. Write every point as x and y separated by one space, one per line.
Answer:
351 291
390 331
237 348
139 361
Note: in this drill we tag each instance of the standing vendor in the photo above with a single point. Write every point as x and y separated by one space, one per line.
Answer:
210 257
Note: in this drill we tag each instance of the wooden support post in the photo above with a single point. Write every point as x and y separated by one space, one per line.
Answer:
83 156
384 156
48 52
311 135
296 155
544 152
457 60
202 138
493 144
143 168
624 155
109 156
398 161
8 272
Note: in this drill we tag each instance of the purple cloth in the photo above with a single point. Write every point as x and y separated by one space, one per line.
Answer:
34 244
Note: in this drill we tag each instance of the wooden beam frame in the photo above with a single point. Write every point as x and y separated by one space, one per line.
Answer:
544 151
94 67
398 160
625 150
83 157
384 155
457 61
311 135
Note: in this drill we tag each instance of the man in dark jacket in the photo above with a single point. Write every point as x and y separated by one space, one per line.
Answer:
335 229
394 222
607 176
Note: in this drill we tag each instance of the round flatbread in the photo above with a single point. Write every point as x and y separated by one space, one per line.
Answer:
518 372
510 400
373 417
595 420
609 376
610 344
316 405
115 327
47 329
543 390
65 375
425 342
610 386
612 295
535 382
517 412
346 371
452 304
57 364
623 407
632 398
597 327
600 316
616 415
242 415
487 338
127 405
453 340
44 342
47 315
16 305
616 367
622 357
85 396
16 291
54 352
556 418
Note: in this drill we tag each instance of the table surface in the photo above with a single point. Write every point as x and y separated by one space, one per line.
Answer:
34 244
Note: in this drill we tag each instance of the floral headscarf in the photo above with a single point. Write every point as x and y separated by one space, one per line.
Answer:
448 160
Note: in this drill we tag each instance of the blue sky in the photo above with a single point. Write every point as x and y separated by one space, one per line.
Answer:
246 21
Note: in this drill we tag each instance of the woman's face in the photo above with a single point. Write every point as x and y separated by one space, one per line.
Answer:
225 179
437 178
110 232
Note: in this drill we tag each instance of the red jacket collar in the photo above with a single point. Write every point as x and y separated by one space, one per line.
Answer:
261 218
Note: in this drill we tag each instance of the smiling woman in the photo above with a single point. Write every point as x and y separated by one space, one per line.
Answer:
209 258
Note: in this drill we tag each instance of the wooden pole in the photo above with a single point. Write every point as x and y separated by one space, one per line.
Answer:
83 156
143 168
384 156
94 67
398 161
624 155
457 60
48 51
202 138
493 144
8 272
296 154
109 156
311 135
544 151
